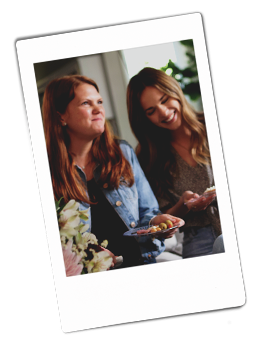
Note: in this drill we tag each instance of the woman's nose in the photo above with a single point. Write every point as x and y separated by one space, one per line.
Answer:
164 111
97 108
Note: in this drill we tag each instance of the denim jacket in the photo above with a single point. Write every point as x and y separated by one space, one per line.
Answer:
135 205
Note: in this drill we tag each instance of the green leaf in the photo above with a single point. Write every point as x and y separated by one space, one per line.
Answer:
192 90
187 43
57 205
82 216
78 238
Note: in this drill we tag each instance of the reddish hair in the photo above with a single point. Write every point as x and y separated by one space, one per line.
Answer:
66 180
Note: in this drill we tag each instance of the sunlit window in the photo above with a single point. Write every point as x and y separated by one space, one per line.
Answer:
155 56
175 59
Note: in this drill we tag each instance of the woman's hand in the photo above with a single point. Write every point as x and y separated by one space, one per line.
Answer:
162 218
200 203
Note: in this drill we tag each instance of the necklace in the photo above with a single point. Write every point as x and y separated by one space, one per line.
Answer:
83 167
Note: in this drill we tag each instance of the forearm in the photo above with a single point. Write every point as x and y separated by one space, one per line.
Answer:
179 209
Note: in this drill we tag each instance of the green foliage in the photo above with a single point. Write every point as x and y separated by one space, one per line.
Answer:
57 205
187 77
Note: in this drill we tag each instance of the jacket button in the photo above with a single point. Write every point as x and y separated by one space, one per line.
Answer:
132 224
105 186
118 203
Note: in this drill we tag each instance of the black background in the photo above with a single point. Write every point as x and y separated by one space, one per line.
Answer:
228 35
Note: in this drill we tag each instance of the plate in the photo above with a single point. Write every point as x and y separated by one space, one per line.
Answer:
132 232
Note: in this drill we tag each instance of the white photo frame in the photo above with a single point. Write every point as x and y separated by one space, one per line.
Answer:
144 292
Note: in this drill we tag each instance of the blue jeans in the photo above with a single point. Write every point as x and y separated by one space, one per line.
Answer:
198 241
218 245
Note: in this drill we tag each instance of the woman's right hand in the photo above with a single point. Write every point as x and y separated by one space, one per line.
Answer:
189 195
200 204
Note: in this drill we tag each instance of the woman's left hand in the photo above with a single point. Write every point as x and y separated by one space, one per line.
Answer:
162 218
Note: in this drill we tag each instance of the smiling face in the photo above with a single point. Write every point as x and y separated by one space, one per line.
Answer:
161 110
85 114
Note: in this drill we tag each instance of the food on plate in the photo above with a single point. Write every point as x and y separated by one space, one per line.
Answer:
211 189
142 231
163 226
153 229
169 223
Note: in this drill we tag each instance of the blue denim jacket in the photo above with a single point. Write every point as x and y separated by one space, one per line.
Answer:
135 205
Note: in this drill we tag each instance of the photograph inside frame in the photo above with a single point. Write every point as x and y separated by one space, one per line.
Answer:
129 158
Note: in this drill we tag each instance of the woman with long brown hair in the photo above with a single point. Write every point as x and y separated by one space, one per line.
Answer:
89 165
173 151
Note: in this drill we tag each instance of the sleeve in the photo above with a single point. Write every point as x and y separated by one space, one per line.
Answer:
148 208
148 205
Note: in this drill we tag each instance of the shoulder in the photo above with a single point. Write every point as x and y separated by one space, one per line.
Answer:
128 152
124 144
125 147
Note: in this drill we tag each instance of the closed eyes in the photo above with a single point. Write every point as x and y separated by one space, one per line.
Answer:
151 111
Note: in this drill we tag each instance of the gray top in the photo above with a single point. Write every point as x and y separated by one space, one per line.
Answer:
195 179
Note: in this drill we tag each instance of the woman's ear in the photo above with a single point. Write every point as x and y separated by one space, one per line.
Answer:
62 119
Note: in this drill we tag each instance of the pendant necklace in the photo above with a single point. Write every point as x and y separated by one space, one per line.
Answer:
83 167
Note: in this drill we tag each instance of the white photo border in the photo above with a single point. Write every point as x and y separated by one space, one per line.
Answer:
144 292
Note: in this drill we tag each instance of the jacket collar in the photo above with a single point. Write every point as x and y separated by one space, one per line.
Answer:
96 172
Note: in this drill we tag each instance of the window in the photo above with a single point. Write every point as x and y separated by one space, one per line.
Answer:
155 56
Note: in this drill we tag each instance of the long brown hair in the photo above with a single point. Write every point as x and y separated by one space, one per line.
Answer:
154 148
66 180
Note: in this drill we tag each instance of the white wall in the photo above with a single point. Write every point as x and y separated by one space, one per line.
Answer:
117 81
108 72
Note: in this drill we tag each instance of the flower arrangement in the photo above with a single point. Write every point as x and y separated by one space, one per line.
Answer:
81 252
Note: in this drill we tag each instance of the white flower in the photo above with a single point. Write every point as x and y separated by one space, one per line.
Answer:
100 262
82 228
74 230
104 243
71 205
69 219
68 232
90 238
85 239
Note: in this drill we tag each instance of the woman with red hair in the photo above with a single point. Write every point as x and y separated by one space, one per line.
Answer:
88 164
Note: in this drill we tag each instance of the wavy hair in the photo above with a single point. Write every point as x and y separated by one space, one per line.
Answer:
66 180
154 148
